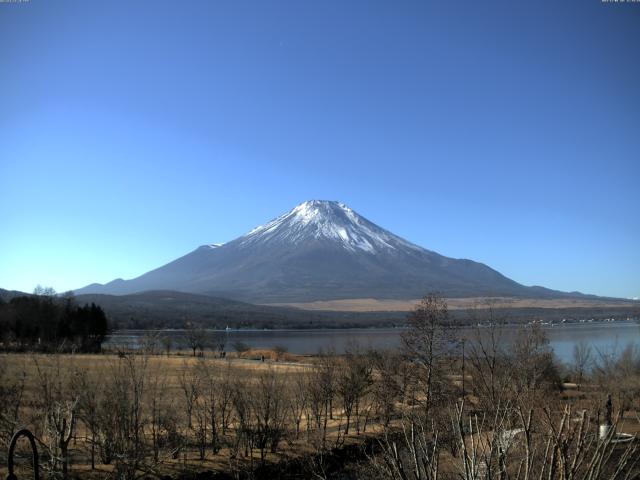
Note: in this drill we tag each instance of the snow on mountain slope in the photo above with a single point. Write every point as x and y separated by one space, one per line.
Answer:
321 250
333 221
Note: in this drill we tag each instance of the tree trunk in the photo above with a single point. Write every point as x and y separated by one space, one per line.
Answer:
93 450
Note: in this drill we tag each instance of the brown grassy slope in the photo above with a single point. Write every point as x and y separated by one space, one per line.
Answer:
376 305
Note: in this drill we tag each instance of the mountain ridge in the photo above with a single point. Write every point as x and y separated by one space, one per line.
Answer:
321 250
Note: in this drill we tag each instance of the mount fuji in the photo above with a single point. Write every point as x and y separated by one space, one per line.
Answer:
321 250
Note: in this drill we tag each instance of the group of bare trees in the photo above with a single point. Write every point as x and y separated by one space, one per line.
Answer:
11 398
130 413
488 404
492 407
196 339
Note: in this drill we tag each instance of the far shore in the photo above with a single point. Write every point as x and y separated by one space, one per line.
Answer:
388 305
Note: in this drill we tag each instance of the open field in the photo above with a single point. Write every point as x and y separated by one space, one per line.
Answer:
154 412
377 305
195 395
205 413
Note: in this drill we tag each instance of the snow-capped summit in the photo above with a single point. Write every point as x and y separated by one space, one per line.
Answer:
324 220
320 250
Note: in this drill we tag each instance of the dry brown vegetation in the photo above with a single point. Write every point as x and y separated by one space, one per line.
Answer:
482 409
382 305
506 415
120 415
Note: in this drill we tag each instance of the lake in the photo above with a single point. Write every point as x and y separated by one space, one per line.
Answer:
602 336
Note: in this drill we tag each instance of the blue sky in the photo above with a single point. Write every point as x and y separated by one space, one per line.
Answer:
504 132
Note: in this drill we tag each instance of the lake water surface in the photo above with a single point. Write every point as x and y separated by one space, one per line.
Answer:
606 337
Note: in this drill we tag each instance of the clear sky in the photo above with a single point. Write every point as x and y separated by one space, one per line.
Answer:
506 132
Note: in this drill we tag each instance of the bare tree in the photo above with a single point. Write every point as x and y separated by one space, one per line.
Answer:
162 421
353 382
44 291
488 359
244 431
618 372
428 339
582 360
218 344
12 389
261 413
412 453
298 394
269 412
200 427
211 392
122 415
60 427
523 441
322 383
196 337
225 396
388 384
58 403
190 386
167 344
532 358
149 342
88 387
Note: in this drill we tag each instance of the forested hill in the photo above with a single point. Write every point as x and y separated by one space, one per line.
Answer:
170 309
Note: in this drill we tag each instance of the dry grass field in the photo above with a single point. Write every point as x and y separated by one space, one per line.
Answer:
170 380
259 413
377 305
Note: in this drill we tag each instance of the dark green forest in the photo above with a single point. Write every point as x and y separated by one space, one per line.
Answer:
50 323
